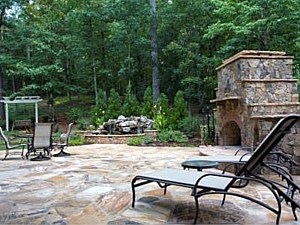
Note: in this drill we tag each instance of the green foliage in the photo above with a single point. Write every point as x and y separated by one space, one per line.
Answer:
163 102
84 123
114 104
71 48
75 114
160 112
172 136
190 126
147 105
99 112
130 104
141 140
179 111
160 120
81 117
76 140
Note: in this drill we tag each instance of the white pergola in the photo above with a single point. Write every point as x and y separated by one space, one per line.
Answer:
21 100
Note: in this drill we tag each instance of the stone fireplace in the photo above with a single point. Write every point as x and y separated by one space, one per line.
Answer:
255 89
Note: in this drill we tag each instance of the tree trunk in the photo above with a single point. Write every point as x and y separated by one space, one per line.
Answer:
68 74
2 115
93 61
154 51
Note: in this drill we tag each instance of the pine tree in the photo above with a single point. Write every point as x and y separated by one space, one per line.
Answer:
114 104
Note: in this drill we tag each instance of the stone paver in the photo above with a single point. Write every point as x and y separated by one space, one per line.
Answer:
93 186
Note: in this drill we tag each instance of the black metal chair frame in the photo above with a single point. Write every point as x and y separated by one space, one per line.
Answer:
41 142
62 146
213 183
9 147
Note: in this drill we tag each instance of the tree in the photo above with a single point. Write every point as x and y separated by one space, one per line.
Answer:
5 23
259 24
130 103
77 47
154 52
100 114
147 106
114 104
179 110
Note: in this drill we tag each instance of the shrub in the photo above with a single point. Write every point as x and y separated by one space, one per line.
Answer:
160 112
76 140
114 104
142 140
135 141
147 105
99 112
84 123
190 126
130 104
75 114
160 120
179 111
172 136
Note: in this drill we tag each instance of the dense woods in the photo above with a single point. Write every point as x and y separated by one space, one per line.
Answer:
77 47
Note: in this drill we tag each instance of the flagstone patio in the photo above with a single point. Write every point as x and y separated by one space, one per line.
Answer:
92 186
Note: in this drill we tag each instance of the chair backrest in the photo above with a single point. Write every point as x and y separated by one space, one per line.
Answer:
42 135
282 127
6 142
67 135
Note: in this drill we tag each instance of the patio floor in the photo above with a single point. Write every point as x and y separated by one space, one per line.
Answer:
92 186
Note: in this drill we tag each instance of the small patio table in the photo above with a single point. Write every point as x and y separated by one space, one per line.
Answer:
199 164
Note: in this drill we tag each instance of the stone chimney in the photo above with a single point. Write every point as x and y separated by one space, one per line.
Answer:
255 89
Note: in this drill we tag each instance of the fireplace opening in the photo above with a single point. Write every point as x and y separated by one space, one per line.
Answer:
231 134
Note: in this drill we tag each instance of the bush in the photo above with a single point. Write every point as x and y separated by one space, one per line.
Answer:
76 140
172 136
75 114
160 120
99 112
142 140
114 104
190 126
179 111
130 104
84 123
147 105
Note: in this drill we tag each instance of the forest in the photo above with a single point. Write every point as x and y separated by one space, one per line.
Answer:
74 48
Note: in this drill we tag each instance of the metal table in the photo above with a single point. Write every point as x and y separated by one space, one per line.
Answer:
199 164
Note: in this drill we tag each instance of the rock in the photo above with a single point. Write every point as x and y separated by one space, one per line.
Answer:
125 125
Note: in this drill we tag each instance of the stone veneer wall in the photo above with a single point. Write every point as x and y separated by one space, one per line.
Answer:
109 139
114 139
255 89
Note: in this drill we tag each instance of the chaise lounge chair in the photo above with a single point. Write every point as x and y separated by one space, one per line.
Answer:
236 160
217 183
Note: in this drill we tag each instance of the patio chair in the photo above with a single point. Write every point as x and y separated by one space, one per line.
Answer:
9 147
241 156
217 183
63 145
41 141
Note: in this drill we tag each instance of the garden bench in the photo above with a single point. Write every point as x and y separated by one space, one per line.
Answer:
25 124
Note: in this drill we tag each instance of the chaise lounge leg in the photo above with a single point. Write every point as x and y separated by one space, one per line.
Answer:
133 193
197 209
223 201
294 211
